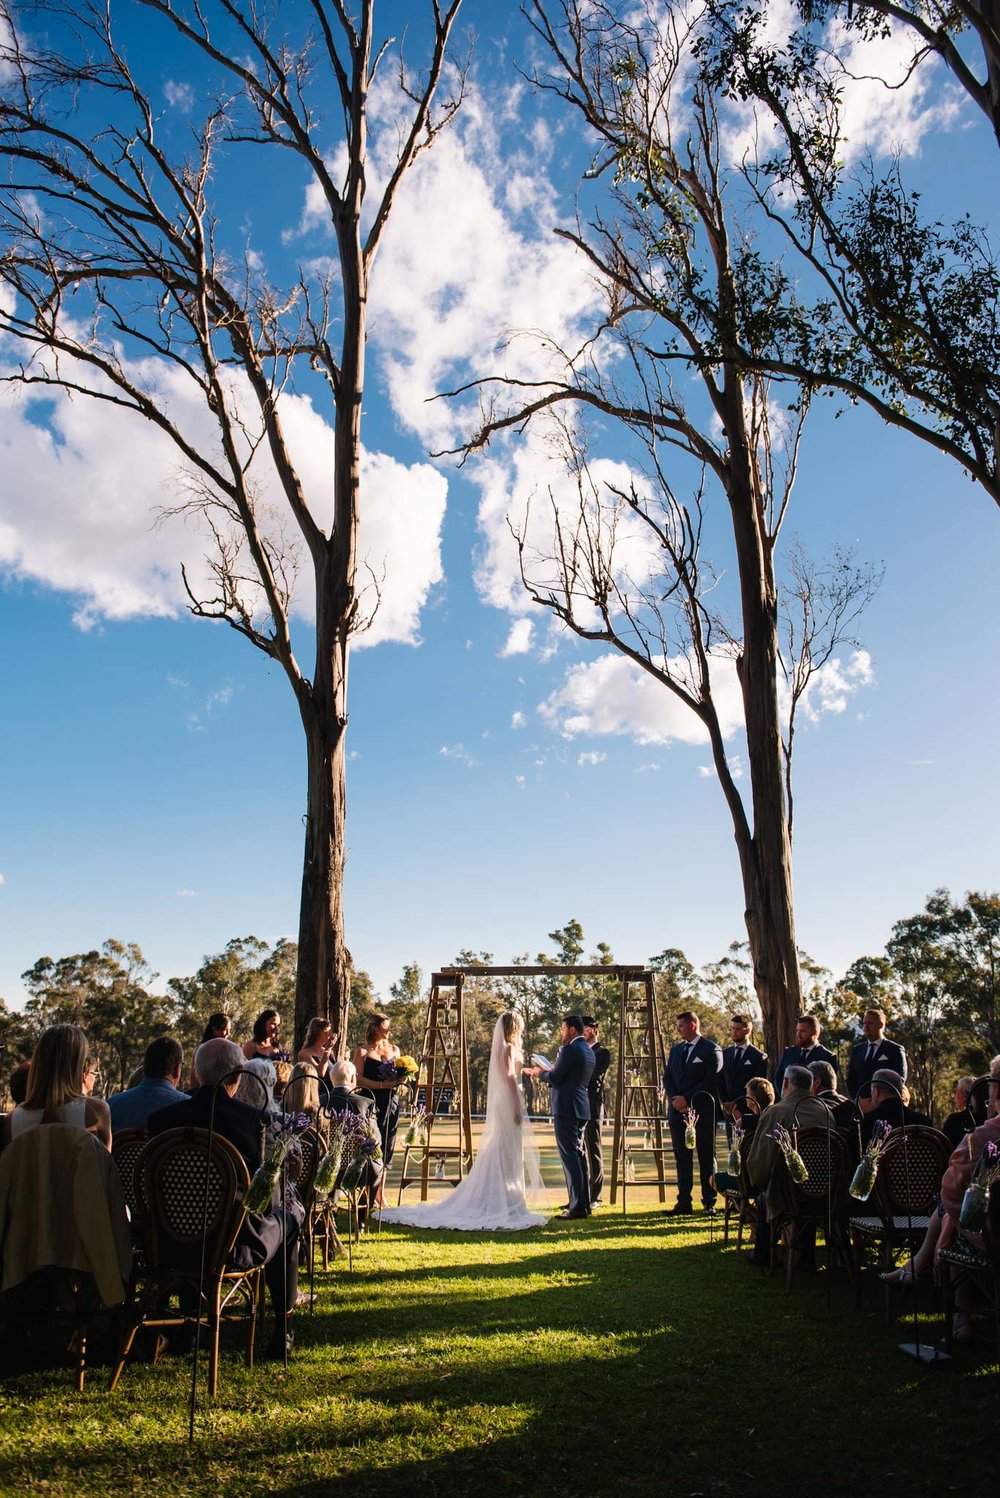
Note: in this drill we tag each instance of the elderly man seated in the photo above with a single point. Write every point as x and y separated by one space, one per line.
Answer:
343 1095
270 1238
795 1108
888 1105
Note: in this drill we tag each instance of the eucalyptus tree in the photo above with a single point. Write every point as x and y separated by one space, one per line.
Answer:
126 272
897 309
622 558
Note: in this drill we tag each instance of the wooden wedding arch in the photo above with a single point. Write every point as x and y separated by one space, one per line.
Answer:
443 1078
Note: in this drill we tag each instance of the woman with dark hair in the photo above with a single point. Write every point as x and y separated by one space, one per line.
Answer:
318 1046
218 1028
375 1064
263 1043
60 1079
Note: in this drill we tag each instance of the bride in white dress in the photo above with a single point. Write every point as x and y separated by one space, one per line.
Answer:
492 1196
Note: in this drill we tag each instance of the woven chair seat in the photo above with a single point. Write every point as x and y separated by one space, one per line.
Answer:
963 1259
874 1227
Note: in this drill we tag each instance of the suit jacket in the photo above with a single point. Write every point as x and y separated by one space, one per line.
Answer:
845 1112
801 1055
797 1108
738 1070
341 1098
131 1109
569 1080
262 1233
234 1121
888 1057
596 1085
699 1072
889 1110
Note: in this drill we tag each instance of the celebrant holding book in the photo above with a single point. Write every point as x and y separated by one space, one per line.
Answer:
568 1080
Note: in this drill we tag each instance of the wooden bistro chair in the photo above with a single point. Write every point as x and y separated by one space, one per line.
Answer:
908 1180
302 1174
819 1201
975 1267
64 1234
173 1174
739 1202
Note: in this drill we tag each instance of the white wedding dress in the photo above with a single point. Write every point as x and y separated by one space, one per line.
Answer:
492 1196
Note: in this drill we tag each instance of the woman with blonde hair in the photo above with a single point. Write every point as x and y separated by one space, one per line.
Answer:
60 1079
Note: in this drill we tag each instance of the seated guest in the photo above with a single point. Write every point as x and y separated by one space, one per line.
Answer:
943 1227
161 1078
824 1087
60 1078
343 1094
256 1086
888 1105
796 1108
870 1055
17 1085
959 1123
270 1238
805 1050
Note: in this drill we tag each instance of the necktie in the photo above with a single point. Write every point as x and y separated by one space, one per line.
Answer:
872 1048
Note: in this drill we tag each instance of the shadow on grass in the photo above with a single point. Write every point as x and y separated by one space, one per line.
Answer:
591 1358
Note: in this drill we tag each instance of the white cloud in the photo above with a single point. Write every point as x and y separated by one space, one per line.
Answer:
176 681
457 752
832 687
2 879
518 720
593 757
82 492
519 639
187 894
179 96
222 697
611 695
519 781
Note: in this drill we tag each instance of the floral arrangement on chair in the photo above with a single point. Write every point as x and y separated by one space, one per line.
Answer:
863 1181
342 1126
796 1165
733 1162
282 1141
976 1201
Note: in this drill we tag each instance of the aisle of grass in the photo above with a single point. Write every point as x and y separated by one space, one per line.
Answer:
585 1357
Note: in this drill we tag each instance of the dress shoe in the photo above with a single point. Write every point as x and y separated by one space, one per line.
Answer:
679 1209
278 1346
711 1211
596 1203
574 1213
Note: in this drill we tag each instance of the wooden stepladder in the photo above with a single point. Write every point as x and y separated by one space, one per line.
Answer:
442 1088
637 1095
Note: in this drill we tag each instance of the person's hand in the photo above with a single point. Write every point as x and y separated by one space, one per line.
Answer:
531 1071
728 1107
679 1103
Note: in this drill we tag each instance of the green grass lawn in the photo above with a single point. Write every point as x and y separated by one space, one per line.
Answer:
581 1357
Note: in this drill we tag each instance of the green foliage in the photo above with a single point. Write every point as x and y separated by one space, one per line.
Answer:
248 975
106 993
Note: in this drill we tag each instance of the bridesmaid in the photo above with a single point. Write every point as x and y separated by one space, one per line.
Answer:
372 1061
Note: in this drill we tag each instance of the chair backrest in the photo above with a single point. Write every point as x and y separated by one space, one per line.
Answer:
822 1152
192 1187
126 1151
302 1163
910 1169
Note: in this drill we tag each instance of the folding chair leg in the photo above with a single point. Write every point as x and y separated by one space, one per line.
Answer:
213 1361
130 1337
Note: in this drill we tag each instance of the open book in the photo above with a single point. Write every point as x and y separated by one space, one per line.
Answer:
543 1061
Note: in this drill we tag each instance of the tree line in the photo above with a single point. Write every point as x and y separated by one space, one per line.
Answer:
937 980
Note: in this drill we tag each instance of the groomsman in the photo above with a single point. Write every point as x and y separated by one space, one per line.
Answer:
870 1055
691 1080
596 1090
740 1061
805 1050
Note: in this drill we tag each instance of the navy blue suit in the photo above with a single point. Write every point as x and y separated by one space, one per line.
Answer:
568 1081
801 1055
737 1070
888 1056
692 1074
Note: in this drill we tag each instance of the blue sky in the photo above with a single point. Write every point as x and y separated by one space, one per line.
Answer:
153 777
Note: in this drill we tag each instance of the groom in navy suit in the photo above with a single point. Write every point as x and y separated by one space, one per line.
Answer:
570 1110
691 1080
